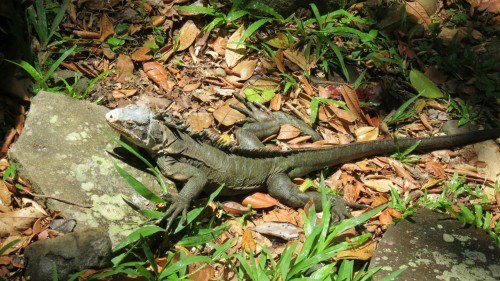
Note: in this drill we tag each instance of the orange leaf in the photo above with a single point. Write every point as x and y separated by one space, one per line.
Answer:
187 35
157 72
260 200
247 242
279 60
287 132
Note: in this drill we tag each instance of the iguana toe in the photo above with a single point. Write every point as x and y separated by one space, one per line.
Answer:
178 206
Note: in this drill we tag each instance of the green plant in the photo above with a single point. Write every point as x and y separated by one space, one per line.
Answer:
10 174
315 101
41 78
403 156
318 247
38 16
403 112
462 110
115 43
473 214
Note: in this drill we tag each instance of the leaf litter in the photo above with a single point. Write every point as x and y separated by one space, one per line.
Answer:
195 77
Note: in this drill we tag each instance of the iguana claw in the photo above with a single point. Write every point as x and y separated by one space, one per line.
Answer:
177 206
339 209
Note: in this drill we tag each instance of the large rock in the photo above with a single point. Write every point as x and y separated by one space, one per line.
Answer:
65 154
69 254
432 246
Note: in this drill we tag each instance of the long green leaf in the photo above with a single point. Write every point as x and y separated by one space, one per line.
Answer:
133 237
56 64
138 186
424 85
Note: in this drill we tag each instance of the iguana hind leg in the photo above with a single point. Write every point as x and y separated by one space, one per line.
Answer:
262 123
195 180
281 187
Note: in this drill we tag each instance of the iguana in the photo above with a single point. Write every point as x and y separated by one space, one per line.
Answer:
203 163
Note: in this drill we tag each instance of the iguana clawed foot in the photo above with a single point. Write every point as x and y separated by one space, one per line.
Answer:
178 206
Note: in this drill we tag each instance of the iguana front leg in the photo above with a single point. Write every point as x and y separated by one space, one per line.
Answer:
281 187
263 123
194 180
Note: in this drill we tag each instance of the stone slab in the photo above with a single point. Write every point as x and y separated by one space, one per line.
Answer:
64 153
433 246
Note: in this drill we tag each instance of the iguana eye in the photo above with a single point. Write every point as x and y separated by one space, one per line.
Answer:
130 124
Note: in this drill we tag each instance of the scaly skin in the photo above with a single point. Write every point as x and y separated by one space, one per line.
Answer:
203 166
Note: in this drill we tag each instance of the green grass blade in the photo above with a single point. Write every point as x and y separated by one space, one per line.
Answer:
56 64
138 186
58 18
29 69
133 237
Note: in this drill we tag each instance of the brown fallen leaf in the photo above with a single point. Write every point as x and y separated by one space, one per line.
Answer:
245 69
119 94
157 72
141 54
191 87
247 242
380 185
363 252
259 200
226 115
235 208
417 13
234 51
124 68
199 121
283 230
107 28
351 99
366 134
297 57
187 35
287 132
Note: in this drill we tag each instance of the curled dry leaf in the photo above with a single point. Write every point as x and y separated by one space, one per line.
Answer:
234 51
366 134
187 35
259 200
124 68
235 208
157 72
283 230
107 28
13 222
191 87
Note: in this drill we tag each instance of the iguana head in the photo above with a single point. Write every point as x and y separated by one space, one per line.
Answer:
137 124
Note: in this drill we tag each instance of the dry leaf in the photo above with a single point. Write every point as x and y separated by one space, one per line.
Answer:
245 69
490 6
279 60
187 35
380 185
351 99
417 13
247 242
191 87
296 57
366 134
235 208
124 68
283 230
141 54
234 51
157 72
118 94
199 121
158 20
287 132
107 28
363 252
228 116
259 200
